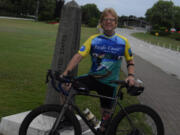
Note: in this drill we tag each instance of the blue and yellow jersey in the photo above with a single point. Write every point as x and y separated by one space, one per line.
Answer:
106 55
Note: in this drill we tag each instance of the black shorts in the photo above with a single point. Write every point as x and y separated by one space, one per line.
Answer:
102 89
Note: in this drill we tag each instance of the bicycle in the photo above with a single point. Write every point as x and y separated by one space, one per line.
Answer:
135 119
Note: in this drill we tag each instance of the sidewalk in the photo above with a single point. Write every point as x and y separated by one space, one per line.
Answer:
16 18
162 93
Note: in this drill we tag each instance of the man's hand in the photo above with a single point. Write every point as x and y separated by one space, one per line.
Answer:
130 80
72 64
65 86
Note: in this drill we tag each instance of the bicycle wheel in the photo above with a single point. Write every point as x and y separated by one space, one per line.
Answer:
144 119
40 121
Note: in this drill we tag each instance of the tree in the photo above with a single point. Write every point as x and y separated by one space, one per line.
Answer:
5 6
177 17
90 14
59 5
161 14
46 9
17 7
26 8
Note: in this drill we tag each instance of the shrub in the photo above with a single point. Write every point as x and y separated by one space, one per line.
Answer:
154 31
175 35
45 16
161 30
156 27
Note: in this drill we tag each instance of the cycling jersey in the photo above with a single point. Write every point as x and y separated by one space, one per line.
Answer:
106 55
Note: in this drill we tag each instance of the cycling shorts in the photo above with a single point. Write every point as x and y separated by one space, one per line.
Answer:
102 89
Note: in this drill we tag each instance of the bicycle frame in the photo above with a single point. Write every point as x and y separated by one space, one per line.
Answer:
68 103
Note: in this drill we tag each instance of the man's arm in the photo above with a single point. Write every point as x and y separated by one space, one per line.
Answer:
130 67
73 63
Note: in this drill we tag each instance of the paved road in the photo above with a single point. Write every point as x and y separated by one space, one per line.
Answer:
162 89
166 59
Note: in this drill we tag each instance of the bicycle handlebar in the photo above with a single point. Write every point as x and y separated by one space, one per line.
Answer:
132 90
56 77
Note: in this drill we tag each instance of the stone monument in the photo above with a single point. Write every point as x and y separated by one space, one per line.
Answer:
67 44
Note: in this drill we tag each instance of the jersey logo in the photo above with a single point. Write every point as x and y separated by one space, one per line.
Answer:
82 48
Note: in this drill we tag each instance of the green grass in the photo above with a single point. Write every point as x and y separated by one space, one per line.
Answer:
26 50
25 53
166 42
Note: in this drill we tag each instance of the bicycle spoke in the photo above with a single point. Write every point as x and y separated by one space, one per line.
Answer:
144 125
43 123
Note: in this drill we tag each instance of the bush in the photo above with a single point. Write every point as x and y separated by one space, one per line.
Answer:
154 31
45 16
156 27
175 35
161 30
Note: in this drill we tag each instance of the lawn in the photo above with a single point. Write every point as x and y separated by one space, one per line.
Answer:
26 50
166 42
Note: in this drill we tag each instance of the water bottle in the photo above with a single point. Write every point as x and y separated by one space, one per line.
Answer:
90 117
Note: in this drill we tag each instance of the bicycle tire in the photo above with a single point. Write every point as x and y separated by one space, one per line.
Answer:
34 114
144 112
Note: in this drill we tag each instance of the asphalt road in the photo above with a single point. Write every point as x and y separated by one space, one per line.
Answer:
162 92
165 59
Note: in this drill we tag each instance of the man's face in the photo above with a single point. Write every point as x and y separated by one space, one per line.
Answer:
109 24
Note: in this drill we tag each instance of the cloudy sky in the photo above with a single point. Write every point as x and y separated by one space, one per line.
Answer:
125 7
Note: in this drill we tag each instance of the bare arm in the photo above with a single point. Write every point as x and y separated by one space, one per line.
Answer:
130 67
73 63
131 71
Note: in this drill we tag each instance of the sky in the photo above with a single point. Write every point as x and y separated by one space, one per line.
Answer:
137 8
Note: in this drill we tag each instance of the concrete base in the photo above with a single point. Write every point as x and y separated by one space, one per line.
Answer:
10 125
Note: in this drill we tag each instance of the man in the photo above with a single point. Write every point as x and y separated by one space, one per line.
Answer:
106 50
